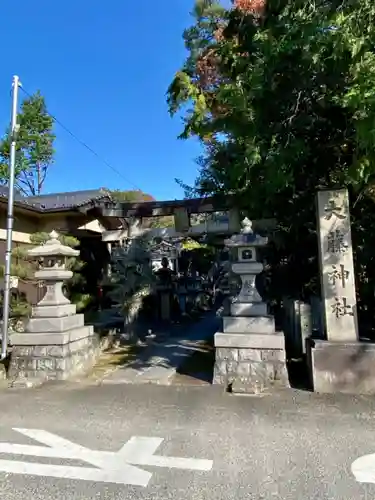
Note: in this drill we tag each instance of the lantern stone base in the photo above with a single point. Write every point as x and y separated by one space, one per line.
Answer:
39 357
249 324
341 367
248 309
54 311
250 363
54 324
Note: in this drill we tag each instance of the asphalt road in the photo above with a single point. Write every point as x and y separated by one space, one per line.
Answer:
289 445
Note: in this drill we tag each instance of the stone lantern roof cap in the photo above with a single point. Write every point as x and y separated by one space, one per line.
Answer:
247 237
53 248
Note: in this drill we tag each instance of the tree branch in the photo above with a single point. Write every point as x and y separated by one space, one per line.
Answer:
26 182
23 190
43 178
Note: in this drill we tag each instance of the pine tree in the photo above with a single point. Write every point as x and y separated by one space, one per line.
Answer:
131 279
34 147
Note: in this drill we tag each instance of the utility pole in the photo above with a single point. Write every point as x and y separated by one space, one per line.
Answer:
8 252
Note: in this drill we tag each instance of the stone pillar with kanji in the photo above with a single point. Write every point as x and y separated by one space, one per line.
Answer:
56 343
250 353
340 363
336 264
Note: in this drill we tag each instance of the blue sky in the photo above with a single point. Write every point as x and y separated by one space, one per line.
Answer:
104 68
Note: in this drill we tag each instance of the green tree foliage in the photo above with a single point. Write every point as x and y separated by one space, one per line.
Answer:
131 278
282 96
190 244
132 196
196 256
34 147
279 87
160 222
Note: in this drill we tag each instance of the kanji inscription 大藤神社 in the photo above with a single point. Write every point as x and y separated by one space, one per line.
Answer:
336 264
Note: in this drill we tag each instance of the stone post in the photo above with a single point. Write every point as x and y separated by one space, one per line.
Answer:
340 363
181 220
134 226
109 267
336 266
56 344
165 303
234 221
250 354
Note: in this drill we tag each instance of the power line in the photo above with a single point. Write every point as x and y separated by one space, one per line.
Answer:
86 146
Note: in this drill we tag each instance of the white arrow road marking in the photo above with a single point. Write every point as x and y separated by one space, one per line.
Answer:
137 447
111 467
81 473
62 448
144 455
363 469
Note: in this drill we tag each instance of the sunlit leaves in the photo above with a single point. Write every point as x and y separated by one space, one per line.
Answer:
294 93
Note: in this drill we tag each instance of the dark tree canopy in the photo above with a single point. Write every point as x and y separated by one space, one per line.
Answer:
282 96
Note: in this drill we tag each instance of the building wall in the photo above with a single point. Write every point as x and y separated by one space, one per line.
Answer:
53 222
25 225
32 291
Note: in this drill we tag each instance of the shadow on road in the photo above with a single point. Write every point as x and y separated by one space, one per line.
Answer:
200 365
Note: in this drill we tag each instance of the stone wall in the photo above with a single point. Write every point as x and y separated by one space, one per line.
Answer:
346 367
257 368
54 362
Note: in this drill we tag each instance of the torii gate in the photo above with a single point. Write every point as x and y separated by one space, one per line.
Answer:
181 210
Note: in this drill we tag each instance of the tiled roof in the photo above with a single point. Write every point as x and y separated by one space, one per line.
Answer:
4 193
58 201
67 200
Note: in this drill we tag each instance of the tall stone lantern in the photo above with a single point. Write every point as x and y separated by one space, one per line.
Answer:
56 343
52 259
249 352
248 302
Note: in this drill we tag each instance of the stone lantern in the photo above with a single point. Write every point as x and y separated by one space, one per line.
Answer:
52 259
56 343
249 352
248 302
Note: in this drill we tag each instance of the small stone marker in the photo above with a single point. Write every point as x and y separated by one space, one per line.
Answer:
336 266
